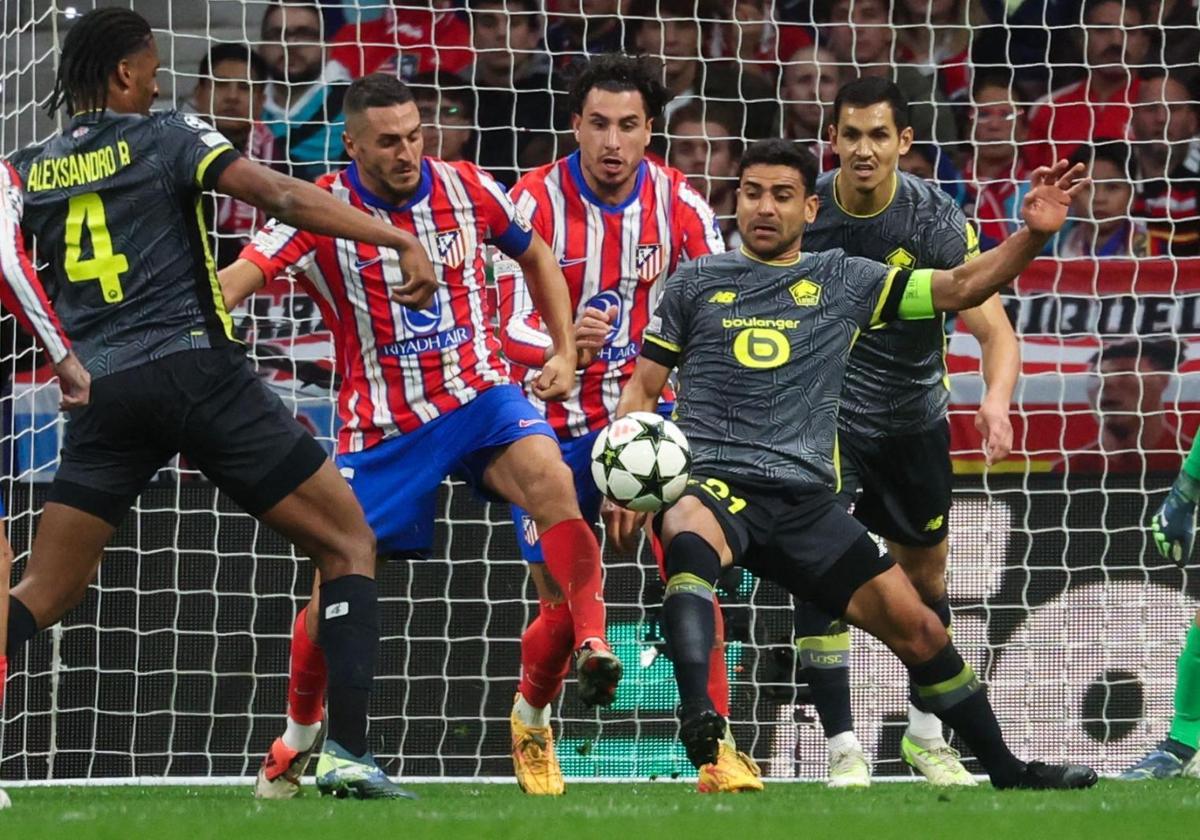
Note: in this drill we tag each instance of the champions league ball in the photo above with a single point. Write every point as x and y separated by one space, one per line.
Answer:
641 462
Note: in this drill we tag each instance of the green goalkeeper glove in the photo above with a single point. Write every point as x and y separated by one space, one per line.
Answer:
1174 523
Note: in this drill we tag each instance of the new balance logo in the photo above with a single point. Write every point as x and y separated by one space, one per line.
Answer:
723 297
935 523
337 610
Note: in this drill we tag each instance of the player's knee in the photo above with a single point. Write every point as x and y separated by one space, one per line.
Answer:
922 637
349 553
552 499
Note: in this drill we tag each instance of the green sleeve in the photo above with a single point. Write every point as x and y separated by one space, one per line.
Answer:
1191 464
917 302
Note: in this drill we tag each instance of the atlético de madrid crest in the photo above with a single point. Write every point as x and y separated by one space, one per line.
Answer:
451 247
649 261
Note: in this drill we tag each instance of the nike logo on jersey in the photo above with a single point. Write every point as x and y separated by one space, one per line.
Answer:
569 263
359 265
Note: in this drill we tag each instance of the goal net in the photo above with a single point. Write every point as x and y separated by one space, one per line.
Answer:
175 664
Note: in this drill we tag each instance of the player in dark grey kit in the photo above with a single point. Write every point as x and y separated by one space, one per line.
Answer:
893 432
761 337
113 203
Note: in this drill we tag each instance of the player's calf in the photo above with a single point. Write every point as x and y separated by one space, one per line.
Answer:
692 567
888 607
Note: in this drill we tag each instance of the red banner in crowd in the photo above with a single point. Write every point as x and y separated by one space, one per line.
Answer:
1110 352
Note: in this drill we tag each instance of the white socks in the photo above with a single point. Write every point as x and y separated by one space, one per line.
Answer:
844 742
529 715
301 736
924 726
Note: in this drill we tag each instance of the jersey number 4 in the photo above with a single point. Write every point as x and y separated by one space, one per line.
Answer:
87 210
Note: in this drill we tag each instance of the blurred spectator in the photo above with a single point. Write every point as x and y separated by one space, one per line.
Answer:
758 41
1126 392
303 106
676 31
808 86
859 34
935 36
1165 125
1176 42
229 93
1114 44
995 171
514 103
920 160
421 36
929 161
705 146
1031 40
447 115
1102 226
581 28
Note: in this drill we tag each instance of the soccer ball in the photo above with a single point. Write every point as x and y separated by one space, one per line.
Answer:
641 461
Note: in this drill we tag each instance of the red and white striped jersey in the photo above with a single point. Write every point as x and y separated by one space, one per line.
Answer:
612 257
21 292
401 368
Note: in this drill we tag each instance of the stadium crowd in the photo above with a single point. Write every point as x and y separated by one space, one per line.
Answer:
996 90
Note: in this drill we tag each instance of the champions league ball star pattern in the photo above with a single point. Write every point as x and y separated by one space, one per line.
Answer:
641 462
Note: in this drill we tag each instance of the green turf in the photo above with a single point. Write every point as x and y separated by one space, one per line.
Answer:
615 812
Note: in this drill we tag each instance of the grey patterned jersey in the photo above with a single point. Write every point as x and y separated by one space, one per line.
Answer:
114 206
761 350
896 380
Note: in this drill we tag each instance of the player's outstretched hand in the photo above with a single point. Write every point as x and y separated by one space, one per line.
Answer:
993 425
1053 187
74 383
621 525
420 281
557 379
1173 525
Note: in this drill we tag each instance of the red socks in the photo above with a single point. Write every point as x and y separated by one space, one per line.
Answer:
718 676
573 559
546 648
307 676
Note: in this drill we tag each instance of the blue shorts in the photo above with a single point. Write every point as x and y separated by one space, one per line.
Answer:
577 454
397 480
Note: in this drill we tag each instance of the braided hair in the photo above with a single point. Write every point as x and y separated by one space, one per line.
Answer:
93 48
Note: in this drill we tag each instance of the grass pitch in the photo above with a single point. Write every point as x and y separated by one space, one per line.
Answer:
636 811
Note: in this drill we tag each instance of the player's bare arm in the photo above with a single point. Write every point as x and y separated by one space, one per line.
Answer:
239 280
311 208
1044 211
640 394
1001 362
16 271
548 289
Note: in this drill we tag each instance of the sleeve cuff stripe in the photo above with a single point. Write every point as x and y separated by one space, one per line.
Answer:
653 339
207 161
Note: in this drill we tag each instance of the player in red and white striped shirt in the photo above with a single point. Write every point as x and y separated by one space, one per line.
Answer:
21 293
426 393
618 224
